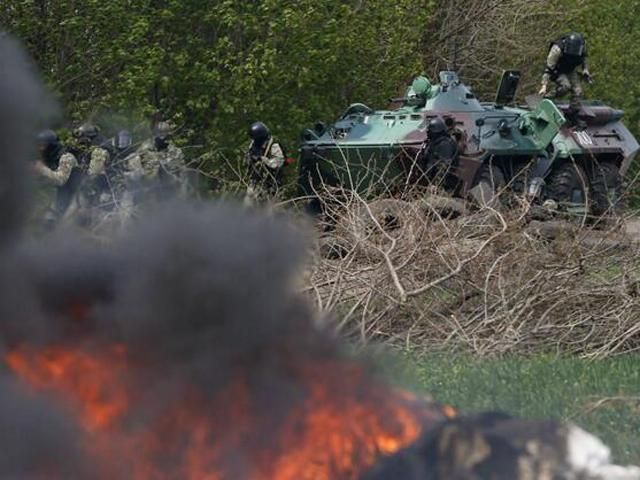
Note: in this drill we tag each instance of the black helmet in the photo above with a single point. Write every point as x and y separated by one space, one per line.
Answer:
122 140
48 138
86 130
574 44
259 132
86 133
436 127
49 145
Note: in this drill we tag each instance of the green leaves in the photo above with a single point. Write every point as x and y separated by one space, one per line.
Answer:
221 65
287 62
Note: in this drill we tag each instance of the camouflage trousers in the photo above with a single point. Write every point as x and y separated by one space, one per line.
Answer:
568 83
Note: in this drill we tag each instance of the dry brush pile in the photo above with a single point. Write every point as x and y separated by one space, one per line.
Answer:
487 281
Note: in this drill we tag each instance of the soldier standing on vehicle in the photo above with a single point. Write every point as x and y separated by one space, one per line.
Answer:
566 55
264 159
61 169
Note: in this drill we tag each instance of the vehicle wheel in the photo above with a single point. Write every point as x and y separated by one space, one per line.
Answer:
492 175
568 185
490 181
606 190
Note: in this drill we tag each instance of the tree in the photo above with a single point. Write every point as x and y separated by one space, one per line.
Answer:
214 67
217 66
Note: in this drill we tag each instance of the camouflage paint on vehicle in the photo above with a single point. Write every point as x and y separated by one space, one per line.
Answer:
365 147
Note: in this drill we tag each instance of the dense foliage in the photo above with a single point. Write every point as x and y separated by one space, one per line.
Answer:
215 66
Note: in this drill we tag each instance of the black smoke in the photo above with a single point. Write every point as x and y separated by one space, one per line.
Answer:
200 295
23 106
38 441
37 438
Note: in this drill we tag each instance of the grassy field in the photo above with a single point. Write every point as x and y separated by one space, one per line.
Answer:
565 388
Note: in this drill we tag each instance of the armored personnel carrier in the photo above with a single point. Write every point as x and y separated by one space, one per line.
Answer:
443 133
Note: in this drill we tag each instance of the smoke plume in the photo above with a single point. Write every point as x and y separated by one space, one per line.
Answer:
179 350
23 105
37 438
38 442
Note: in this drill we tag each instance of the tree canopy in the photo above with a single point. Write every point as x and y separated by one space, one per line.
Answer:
215 66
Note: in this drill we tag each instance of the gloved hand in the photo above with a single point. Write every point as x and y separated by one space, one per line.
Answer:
268 162
543 90
273 162
587 76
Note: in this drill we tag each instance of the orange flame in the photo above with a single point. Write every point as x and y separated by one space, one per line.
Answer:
338 429
87 378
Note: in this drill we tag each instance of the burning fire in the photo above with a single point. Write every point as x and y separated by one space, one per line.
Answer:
85 378
342 424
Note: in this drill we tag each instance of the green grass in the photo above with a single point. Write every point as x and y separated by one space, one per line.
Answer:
544 387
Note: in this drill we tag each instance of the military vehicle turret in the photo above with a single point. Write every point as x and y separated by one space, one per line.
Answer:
543 150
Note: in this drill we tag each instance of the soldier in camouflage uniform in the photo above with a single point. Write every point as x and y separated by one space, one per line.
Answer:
96 158
59 168
172 163
265 160
95 145
156 168
566 55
